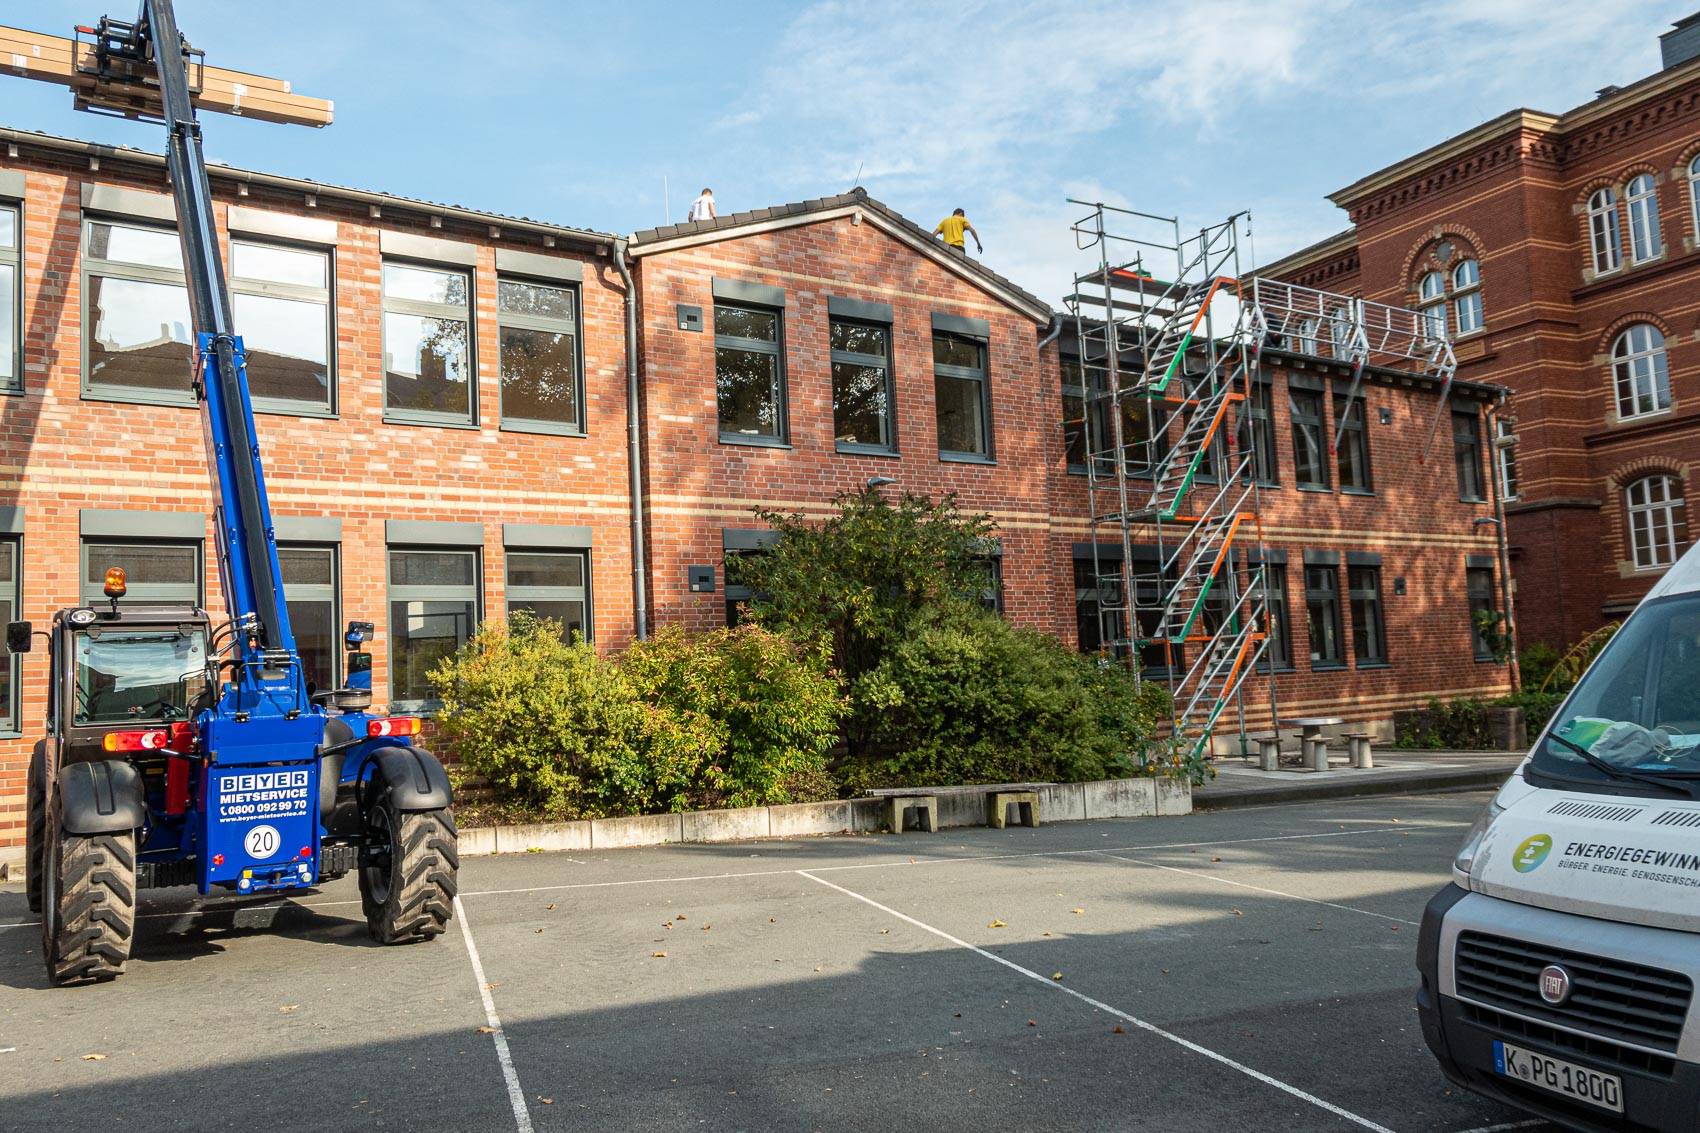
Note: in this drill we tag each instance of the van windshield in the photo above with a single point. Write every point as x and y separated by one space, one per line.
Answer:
1638 706
135 676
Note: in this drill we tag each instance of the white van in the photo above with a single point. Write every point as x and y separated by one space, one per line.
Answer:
1558 968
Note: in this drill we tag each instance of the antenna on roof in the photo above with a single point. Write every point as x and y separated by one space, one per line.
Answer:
858 179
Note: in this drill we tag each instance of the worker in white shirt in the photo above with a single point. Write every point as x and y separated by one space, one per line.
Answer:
703 207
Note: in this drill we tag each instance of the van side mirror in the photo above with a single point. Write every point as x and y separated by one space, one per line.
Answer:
18 637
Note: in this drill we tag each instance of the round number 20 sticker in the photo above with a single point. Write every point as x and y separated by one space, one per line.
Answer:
262 842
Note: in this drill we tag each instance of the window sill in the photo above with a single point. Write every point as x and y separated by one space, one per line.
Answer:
1315 488
292 409
965 458
1637 418
1477 333
753 442
543 428
10 391
1472 500
1357 491
1374 665
1328 667
1486 661
1278 669
127 396
850 448
10 734
428 422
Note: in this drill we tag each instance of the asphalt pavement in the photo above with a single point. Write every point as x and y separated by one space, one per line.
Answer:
1246 969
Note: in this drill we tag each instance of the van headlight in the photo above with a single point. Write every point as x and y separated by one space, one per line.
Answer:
1467 853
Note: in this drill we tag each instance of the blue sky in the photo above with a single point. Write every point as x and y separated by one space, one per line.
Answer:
575 112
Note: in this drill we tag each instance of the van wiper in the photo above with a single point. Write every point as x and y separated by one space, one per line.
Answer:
1626 774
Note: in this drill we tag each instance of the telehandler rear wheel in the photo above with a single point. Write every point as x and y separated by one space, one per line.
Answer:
88 901
407 872
35 828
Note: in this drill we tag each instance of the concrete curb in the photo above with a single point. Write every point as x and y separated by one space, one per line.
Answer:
1065 802
1422 784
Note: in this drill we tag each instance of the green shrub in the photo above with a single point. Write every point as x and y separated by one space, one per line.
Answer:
550 725
1534 662
1537 707
967 698
1131 714
1458 725
762 712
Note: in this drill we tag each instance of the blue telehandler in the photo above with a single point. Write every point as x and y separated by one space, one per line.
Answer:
182 750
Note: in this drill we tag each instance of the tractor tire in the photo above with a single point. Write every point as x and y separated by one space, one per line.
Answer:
35 829
88 904
407 873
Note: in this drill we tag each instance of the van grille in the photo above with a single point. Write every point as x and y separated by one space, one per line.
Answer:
1622 1002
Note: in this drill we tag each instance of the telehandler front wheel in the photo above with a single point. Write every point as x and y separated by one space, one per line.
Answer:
407 872
35 828
88 903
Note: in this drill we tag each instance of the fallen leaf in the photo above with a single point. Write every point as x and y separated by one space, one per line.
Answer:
291 1007
997 924
93 1057
549 906
1394 927
1248 1034
658 955
547 1101
1237 913
885 932
1056 975
1215 859
817 969
1031 1023
538 930
770 920
492 987
958 1015
486 1030
1118 1031
1395 820
706 927
680 917
1165 971
911 861
1047 934
1079 911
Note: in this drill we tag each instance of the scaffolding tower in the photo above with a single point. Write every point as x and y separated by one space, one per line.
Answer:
1171 334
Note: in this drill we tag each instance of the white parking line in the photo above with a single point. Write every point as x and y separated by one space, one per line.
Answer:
516 1096
1150 1028
1261 889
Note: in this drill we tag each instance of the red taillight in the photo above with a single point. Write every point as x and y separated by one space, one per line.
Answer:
155 739
394 726
218 859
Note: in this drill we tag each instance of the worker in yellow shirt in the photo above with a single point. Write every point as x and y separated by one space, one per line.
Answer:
952 227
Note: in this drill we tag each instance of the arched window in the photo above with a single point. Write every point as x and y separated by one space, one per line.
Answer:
1431 297
1467 296
1305 341
1602 227
1694 191
1654 538
1644 242
1638 367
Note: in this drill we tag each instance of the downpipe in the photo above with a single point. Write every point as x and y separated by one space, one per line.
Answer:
634 453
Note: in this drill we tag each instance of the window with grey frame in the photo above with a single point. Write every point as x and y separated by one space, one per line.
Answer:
1467 455
862 392
433 604
428 349
10 599
1369 630
542 371
553 585
1310 445
137 333
1074 413
167 573
1256 432
1478 583
960 396
1278 655
749 373
11 300
1351 457
1322 615
310 587
281 302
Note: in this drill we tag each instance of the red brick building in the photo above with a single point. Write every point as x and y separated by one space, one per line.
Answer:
442 397
1562 252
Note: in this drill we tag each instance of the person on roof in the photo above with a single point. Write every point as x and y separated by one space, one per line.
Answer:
703 207
952 227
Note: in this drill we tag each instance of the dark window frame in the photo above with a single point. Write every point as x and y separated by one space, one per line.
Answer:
1479 598
420 308
580 594
888 418
1316 423
12 598
396 593
1351 419
1369 621
192 594
1255 432
776 348
980 375
12 257
1467 456
1278 656
547 324
272 289
1328 596
92 268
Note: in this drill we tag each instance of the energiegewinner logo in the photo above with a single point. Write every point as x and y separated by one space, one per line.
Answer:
1531 852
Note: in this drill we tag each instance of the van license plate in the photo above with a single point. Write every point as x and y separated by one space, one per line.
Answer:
1559 1077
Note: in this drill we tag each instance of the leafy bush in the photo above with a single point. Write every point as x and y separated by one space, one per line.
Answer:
1458 725
762 711
549 724
1537 707
1535 662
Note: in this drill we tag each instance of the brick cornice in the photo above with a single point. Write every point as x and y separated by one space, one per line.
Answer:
1497 137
